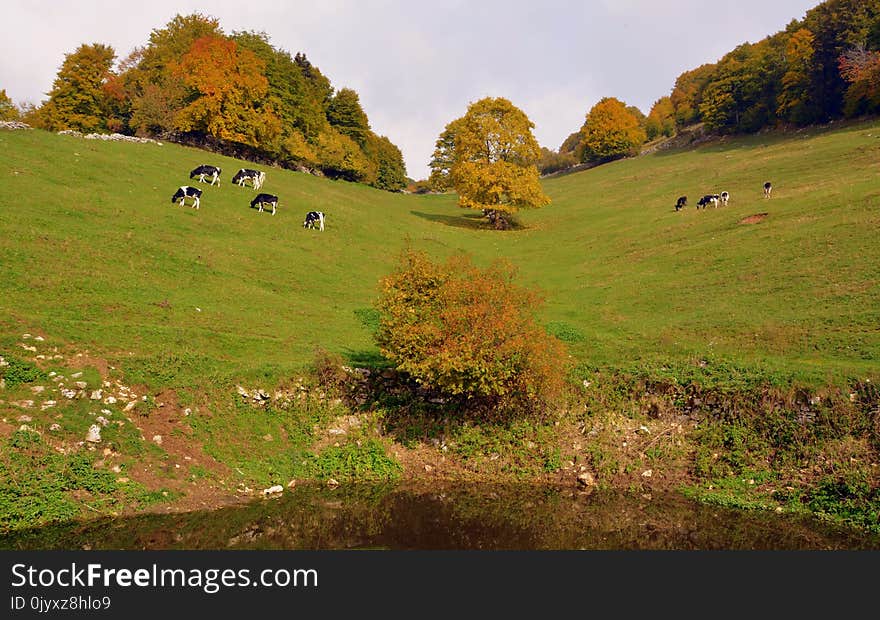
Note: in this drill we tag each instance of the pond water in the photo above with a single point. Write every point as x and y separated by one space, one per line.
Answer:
452 517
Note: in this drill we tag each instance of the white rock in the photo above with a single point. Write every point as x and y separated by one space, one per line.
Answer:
76 375
110 400
39 338
55 427
273 490
130 406
37 389
81 385
48 405
103 421
94 434
24 418
157 439
96 395
647 473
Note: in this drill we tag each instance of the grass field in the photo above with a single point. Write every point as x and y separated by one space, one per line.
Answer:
94 254
714 353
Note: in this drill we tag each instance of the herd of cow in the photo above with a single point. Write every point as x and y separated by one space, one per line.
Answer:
211 175
716 199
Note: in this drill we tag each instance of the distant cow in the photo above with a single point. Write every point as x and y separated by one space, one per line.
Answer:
312 218
185 192
725 197
767 189
256 177
265 200
705 200
681 203
207 171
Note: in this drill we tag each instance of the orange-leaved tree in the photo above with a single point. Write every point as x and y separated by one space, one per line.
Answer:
229 91
488 156
471 333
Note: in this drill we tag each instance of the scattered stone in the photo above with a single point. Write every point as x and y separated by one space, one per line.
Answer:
39 338
336 431
123 480
106 412
644 429
71 394
94 434
291 484
96 395
332 483
55 427
110 400
157 439
130 406
187 411
81 385
37 389
28 348
273 490
585 479
24 418
267 437
647 473
48 405
76 375
103 421
25 404
25 336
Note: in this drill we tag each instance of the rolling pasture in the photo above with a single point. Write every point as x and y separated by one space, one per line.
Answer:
94 255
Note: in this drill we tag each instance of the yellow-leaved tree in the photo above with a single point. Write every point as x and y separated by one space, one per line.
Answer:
488 156
611 131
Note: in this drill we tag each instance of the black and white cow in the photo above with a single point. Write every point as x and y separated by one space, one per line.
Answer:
265 200
681 203
314 217
256 177
187 191
767 189
724 197
205 171
706 200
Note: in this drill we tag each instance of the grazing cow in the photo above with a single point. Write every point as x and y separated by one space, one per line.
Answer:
256 177
207 171
705 200
313 217
265 199
681 203
185 192
725 197
767 189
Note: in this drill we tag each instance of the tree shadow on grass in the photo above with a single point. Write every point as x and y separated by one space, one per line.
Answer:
471 221
366 359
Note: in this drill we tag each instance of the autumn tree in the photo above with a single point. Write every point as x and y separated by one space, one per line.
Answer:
611 132
228 93
860 68
470 333
155 90
661 119
77 99
488 156
8 112
795 101
687 94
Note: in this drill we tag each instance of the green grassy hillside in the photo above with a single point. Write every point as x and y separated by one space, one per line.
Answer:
94 255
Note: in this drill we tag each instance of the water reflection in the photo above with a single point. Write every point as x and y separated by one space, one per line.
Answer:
451 517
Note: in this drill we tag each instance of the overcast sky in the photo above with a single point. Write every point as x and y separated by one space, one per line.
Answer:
418 64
